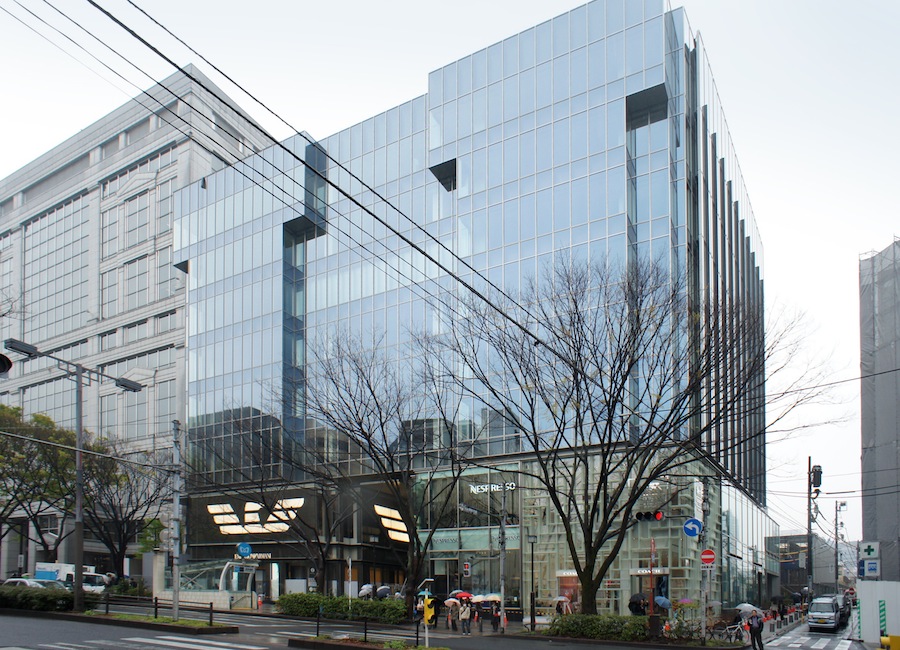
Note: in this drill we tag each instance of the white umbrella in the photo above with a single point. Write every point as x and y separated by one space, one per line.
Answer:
477 599
564 599
746 608
494 597
451 601
365 590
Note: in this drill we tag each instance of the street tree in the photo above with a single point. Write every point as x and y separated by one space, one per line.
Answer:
124 494
38 479
615 380
374 413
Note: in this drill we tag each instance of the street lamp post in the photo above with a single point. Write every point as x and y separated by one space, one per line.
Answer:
531 540
78 371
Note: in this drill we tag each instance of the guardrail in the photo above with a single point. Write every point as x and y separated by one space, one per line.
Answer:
157 604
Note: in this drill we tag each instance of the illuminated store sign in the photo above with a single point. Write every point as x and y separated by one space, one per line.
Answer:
491 487
229 523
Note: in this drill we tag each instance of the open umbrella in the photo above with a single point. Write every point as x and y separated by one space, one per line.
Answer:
494 597
636 598
460 594
365 590
383 591
451 601
746 608
424 592
454 593
477 599
663 602
564 599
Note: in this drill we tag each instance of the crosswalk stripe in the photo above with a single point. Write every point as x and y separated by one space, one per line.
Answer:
217 644
775 642
821 643
844 644
190 644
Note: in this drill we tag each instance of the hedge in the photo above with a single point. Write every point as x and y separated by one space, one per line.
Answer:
606 626
335 607
44 600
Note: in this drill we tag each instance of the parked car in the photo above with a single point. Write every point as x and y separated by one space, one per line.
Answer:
824 612
24 582
52 584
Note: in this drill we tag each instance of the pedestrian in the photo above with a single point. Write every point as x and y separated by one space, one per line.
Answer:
465 617
495 616
755 622
454 614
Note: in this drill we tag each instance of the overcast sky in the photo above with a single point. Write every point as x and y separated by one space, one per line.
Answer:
808 87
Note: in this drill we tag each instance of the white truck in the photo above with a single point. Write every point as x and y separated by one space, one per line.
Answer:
93 581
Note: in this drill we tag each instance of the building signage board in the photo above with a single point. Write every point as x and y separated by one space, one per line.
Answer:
869 550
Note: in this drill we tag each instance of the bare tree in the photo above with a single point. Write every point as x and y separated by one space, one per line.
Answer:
124 495
614 380
386 419
252 457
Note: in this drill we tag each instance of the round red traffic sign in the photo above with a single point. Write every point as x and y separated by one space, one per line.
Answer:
708 556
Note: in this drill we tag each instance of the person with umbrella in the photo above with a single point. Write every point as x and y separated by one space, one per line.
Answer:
636 604
755 623
454 605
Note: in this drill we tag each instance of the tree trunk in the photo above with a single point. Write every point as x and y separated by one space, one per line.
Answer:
589 596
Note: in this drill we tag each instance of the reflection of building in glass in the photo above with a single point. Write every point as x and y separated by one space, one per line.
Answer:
86 258
794 558
597 135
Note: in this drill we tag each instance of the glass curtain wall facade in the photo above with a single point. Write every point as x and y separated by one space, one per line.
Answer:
597 135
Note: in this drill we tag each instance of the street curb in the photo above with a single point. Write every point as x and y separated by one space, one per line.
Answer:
146 625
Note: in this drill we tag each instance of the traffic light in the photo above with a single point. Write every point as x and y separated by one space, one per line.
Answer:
467 569
656 515
428 611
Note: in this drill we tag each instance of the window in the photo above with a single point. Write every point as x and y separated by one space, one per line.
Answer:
164 205
137 219
135 415
166 322
136 332
137 283
109 289
109 235
166 278
165 406
108 422
107 340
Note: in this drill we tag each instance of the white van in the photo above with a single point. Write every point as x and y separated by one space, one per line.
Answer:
824 612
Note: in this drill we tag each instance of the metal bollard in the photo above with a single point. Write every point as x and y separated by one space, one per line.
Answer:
366 630
418 622
155 607
318 620
107 601
210 614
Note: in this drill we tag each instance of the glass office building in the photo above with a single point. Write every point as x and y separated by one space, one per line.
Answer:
596 135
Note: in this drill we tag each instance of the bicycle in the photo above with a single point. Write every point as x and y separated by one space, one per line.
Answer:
730 633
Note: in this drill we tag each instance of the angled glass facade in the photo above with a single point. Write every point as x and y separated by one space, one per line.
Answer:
597 135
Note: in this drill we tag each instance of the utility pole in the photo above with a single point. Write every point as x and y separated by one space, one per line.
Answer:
503 559
838 506
176 517
704 574
813 481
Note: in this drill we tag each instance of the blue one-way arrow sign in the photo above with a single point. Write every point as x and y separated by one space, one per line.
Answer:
692 527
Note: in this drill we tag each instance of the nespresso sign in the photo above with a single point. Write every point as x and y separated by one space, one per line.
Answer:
491 487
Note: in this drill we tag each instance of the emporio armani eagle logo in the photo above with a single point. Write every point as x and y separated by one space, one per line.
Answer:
278 520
